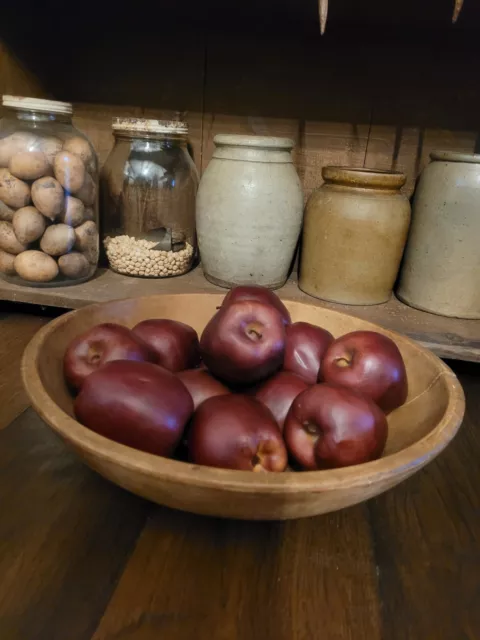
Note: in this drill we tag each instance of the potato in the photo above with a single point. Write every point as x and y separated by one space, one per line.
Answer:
36 266
8 239
28 224
89 214
6 263
74 265
57 239
13 192
74 213
16 143
88 192
6 212
48 197
29 165
81 147
87 240
50 147
69 171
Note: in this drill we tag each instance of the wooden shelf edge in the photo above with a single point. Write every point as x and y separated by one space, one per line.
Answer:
447 337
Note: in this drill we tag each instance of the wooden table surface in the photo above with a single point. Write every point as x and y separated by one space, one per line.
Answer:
81 559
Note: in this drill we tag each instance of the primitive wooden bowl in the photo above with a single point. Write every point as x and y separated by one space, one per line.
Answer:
419 430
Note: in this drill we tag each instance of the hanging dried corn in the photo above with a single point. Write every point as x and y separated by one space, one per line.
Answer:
323 12
457 9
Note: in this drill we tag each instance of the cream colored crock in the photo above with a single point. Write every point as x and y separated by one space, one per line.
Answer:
441 270
249 211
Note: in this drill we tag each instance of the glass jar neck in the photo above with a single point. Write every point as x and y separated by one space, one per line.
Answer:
39 116
158 138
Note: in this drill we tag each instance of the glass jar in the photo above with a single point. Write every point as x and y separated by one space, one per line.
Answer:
148 187
48 195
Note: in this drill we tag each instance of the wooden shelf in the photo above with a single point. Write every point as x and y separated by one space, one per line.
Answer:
447 337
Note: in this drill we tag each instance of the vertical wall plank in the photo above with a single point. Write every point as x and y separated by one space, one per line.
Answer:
15 79
273 89
386 104
424 100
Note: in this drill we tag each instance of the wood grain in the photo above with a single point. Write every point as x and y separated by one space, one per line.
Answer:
16 330
447 337
411 113
235 581
267 89
65 541
364 95
15 78
427 540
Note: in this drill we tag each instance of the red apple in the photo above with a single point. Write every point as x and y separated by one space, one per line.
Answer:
305 347
201 385
330 426
99 345
175 344
370 363
279 392
236 432
138 404
244 342
260 294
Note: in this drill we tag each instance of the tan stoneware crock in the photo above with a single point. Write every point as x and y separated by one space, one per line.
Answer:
354 233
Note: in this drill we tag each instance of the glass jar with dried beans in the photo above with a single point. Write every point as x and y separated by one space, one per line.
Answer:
48 195
149 184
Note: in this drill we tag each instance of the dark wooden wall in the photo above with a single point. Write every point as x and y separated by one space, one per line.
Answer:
387 84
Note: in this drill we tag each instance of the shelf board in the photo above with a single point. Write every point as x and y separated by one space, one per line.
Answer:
447 337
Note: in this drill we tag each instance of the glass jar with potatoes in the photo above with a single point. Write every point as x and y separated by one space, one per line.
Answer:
48 195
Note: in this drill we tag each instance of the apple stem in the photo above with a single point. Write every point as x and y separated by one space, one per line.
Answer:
253 333
311 428
93 355
457 9
255 460
343 362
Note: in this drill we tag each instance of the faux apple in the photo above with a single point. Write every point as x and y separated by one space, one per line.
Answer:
174 344
99 345
279 392
236 432
138 404
244 342
305 347
260 294
329 426
370 363
201 385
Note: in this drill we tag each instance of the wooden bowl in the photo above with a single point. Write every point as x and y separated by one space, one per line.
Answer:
419 430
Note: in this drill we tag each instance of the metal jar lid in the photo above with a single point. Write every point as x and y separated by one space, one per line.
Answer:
142 125
21 103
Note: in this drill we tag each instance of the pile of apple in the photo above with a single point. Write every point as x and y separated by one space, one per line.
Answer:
256 392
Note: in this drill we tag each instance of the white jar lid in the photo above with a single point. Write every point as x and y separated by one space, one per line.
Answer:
37 104
142 125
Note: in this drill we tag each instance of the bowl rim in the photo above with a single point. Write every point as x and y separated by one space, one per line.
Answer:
403 462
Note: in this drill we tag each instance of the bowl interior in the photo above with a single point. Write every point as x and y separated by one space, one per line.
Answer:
429 379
